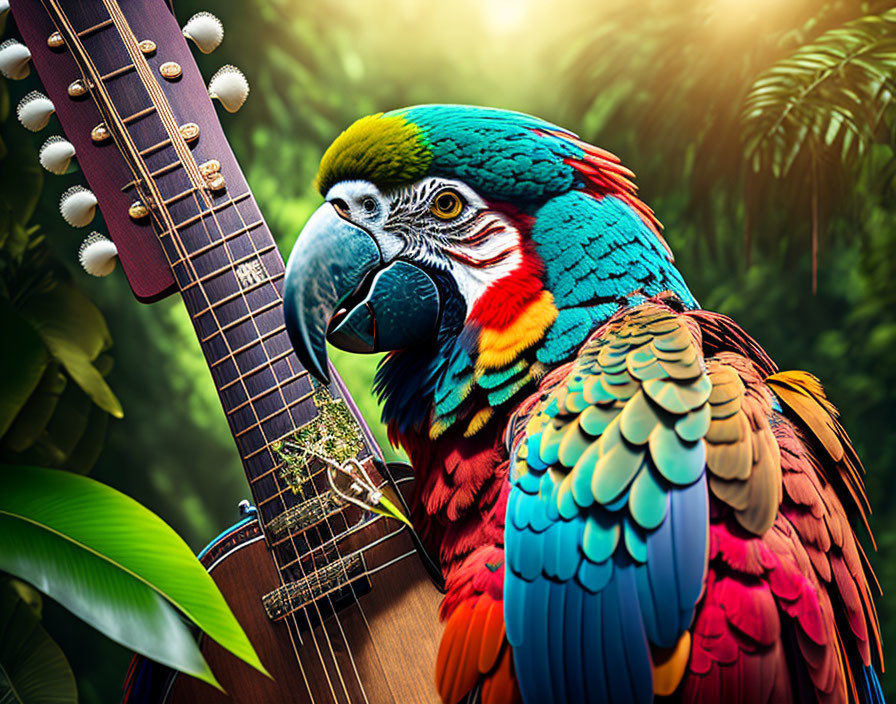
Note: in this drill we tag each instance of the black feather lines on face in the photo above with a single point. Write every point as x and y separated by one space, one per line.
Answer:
423 235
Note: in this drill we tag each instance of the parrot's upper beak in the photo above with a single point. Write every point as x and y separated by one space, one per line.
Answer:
338 288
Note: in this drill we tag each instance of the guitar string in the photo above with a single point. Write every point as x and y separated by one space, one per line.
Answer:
355 597
123 134
270 366
197 181
174 230
326 519
279 390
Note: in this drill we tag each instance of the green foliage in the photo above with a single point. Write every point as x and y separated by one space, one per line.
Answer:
33 669
720 102
828 98
55 336
98 553
114 564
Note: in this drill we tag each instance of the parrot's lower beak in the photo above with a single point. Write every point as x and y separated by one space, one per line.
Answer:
338 288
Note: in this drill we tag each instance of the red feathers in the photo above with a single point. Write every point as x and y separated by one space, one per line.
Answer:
503 301
760 594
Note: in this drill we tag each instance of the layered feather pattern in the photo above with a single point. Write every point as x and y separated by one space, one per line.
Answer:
628 499
609 511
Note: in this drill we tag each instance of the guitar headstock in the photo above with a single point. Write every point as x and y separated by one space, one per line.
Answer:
134 109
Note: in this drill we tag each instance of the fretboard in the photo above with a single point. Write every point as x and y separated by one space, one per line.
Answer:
223 257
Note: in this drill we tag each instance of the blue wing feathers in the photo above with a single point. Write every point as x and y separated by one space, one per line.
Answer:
608 518
557 639
690 532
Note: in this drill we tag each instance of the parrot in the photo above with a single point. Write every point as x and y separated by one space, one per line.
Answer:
628 500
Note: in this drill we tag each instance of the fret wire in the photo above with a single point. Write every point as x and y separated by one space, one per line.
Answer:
255 370
210 211
276 495
261 395
262 449
158 172
249 316
217 243
117 72
236 262
95 28
276 413
138 115
179 196
253 343
155 147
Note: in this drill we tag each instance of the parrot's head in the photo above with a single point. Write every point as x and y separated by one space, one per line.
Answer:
479 247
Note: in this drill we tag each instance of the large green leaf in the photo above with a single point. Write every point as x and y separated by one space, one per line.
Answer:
33 669
115 564
23 358
75 333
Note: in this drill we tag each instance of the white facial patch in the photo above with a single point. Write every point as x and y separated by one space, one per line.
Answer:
478 246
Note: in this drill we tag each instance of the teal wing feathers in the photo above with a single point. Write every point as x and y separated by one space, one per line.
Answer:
607 521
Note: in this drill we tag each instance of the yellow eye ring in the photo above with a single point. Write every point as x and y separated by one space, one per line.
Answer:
447 205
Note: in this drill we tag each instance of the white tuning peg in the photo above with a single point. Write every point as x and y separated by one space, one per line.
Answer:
230 86
78 206
56 155
14 58
34 111
205 30
4 7
98 255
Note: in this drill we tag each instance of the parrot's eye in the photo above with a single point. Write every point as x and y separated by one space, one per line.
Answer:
370 206
447 205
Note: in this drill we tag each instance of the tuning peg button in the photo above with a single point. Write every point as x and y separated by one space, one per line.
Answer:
205 30
98 255
56 155
78 206
34 111
4 7
14 59
229 86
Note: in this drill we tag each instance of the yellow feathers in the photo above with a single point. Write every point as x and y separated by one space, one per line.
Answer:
498 348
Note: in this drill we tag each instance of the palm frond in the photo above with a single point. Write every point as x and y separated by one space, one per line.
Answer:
830 97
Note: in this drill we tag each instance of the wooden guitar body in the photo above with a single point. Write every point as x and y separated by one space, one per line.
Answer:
395 623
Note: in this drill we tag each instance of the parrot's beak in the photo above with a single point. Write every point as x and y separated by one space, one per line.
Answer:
338 288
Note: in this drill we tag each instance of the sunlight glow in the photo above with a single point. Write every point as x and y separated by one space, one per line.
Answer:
504 16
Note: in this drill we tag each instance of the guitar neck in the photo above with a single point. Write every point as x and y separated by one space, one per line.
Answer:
153 150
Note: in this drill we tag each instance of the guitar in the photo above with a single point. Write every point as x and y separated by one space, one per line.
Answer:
340 602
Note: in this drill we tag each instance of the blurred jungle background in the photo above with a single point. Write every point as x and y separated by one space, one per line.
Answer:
763 133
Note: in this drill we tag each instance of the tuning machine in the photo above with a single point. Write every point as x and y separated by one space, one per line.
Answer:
230 87
78 206
35 110
205 30
4 8
56 155
98 255
14 59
